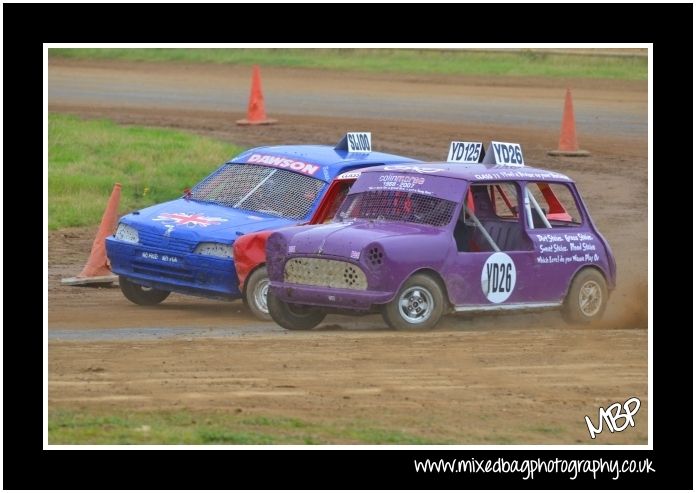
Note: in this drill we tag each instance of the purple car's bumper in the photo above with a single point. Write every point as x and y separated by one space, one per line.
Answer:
329 297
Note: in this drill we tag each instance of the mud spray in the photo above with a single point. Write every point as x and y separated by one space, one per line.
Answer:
628 307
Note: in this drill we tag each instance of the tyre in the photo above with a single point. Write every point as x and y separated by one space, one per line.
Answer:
418 305
256 293
140 295
293 317
586 298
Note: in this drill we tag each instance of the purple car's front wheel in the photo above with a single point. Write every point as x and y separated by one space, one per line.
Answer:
418 305
292 316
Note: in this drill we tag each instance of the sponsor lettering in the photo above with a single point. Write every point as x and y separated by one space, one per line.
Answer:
566 248
502 175
283 162
349 175
401 181
417 169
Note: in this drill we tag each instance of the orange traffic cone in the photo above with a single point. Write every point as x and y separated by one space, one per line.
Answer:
568 143
256 113
97 269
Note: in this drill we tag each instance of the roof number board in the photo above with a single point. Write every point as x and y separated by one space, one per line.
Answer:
359 141
465 152
504 154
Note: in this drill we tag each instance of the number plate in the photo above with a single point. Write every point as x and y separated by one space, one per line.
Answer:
160 257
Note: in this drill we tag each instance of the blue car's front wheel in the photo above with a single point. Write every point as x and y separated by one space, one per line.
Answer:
256 293
141 295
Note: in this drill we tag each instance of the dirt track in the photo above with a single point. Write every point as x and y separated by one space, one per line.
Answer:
521 379
607 106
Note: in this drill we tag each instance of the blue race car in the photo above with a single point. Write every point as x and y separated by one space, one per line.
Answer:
185 245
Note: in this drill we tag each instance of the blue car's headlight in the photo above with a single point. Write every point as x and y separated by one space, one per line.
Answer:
127 233
221 250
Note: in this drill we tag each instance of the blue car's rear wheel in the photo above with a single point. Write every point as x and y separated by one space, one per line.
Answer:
141 295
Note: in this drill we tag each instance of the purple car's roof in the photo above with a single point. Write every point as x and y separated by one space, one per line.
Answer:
472 172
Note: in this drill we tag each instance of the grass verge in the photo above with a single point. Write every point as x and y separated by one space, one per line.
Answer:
446 62
178 427
86 158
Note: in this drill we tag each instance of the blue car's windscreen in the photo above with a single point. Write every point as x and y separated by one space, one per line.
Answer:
260 188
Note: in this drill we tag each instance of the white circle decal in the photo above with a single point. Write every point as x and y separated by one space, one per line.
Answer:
498 277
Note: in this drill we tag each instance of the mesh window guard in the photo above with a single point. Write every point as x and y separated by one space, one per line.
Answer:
273 191
388 205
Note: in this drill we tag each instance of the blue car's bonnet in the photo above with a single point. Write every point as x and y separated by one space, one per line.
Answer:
199 221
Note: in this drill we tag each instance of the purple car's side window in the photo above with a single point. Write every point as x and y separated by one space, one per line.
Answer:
553 206
490 220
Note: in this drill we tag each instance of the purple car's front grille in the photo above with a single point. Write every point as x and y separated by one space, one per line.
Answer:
324 272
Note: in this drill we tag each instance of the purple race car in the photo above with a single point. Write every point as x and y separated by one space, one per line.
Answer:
417 241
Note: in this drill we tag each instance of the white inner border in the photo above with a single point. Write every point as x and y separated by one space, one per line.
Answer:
649 47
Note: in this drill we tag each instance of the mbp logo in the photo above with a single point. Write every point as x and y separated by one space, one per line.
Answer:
612 415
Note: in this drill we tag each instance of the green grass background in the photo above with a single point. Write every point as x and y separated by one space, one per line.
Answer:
184 427
236 427
86 158
446 62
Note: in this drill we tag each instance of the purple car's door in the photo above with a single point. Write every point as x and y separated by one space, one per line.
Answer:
477 276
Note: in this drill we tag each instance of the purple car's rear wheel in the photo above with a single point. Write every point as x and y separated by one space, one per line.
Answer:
418 305
586 298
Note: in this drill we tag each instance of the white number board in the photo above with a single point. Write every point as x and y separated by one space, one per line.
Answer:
504 154
498 277
359 141
464 152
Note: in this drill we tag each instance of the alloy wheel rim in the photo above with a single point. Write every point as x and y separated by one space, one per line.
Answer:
590 298
416 305
261 295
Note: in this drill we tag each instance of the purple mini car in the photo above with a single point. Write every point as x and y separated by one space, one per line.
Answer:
417 241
